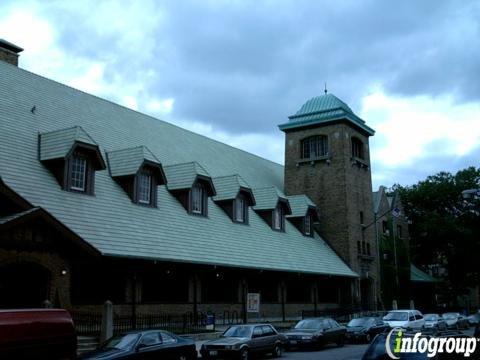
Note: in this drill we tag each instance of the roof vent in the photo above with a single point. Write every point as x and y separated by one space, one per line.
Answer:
9 52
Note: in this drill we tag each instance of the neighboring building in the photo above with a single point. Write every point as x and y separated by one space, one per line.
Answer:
101 202
327 158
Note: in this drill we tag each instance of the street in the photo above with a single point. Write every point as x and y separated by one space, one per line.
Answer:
348 352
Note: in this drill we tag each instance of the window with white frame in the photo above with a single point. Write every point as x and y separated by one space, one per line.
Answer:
144 188
198 199
308 225
314 147
78 173
278 218
240 209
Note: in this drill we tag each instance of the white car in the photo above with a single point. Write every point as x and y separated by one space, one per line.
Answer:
412 319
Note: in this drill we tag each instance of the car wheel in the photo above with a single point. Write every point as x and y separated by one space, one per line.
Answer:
368 338
182 357
341 341
277 351
244 355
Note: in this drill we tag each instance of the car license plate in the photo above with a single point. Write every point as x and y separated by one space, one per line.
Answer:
293 342
213 352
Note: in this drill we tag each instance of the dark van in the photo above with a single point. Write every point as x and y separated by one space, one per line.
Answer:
37 334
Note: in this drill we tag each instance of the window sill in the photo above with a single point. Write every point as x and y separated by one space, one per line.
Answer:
366 257
359 162
312 161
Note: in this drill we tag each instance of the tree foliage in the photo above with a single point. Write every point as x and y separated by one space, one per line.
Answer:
445 227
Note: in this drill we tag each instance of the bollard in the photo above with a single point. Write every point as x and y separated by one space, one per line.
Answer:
107 321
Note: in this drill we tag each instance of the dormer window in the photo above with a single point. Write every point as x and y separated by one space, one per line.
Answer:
198 199
72 156
78 173
138 171
308 226
144 188
314 147
241 209
278 218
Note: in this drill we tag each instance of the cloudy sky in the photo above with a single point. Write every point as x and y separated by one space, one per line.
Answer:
234 70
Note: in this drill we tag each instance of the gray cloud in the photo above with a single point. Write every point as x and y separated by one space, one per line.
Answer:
245 66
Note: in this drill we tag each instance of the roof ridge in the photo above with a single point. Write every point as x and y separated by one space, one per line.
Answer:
144 115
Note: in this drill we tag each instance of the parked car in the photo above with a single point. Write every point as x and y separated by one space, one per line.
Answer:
474 319
435 321
150 344
242 341
316 332
411 319
456 320
365 328
37 334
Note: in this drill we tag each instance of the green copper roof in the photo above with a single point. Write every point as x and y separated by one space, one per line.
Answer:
322 103
417 275
267 198
183 176
128 161
57 144
300 205
110 221
228 187
324 109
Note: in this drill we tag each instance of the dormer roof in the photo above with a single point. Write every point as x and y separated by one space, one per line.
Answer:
228 188
267 198
301 206
59 144
127 162
184 176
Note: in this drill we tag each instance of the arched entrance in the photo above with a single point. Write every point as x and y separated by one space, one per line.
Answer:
23 285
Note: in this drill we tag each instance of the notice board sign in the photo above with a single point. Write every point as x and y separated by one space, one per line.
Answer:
253 302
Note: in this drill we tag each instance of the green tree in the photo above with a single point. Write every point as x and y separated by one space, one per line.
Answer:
445 227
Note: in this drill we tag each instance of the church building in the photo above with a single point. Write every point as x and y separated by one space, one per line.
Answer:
99 202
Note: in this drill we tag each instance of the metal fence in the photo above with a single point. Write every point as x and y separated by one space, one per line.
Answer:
90 323
341 314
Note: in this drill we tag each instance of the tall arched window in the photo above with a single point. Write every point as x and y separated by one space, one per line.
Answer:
314 147
357 148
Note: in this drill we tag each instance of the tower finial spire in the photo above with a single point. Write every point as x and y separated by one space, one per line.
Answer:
325 88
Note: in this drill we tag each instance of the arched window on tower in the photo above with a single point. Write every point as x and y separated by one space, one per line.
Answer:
357 148
314 147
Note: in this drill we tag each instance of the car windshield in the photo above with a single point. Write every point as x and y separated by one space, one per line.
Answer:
311 324
450 316
238 331
122 342
360 322
396 316
431 317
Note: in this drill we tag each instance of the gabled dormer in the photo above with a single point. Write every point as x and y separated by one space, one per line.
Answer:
138 172
304 214
272 205
234 196
72 156
191 184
